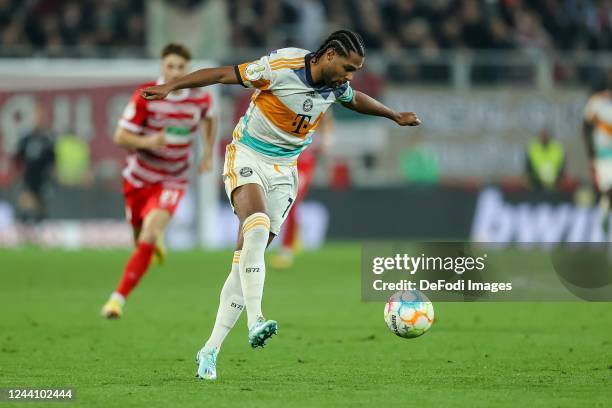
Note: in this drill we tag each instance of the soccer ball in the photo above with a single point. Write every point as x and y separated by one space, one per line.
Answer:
409 314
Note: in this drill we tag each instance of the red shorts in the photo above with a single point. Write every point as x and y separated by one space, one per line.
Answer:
140 200
306 167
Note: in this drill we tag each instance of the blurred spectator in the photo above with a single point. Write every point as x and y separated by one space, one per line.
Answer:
384 24
73 161
475 31
186 3
63 27
262 23
311 27
529 31
6 12
499 34
419 164
36 155
545 162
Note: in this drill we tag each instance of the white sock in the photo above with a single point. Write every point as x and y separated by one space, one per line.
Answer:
255 233
119 297
230 306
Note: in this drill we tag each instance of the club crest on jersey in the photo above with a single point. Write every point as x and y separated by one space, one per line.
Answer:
254 71
246 171
307 105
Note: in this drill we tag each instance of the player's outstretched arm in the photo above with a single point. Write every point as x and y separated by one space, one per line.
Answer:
209 130
367 105
197 79
133 141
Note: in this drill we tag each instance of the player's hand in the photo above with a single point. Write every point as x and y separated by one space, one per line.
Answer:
206 163
155 141
407 119
155 92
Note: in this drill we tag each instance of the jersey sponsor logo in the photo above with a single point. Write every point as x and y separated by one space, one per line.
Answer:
179 131
130 111
254 71
307 105
252 270
301 122
246 172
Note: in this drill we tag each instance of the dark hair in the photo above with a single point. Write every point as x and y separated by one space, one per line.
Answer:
176 49
343 42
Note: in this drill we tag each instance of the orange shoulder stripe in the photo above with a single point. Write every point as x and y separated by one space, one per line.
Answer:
295 66
286 60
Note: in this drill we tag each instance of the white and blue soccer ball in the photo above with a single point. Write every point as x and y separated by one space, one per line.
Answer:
409 314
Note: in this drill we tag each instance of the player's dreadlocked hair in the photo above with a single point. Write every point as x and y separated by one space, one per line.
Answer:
343 42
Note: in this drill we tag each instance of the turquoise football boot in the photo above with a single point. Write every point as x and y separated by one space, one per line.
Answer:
261 331
207 364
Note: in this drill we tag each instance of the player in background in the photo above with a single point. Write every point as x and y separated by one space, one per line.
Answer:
36 155
294 89
159 136
597 132
306 166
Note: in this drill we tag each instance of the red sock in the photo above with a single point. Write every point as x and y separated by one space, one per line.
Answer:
135 268
290 229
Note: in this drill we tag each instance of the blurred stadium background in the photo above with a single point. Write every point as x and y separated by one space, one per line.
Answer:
486 78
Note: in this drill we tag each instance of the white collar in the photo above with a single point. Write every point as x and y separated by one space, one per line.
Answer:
174 96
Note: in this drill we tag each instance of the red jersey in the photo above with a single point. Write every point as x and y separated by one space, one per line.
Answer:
179 116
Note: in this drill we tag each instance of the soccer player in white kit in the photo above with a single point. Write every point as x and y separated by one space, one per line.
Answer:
597 131
294 88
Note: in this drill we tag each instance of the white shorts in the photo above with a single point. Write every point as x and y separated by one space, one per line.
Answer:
278 181
603 174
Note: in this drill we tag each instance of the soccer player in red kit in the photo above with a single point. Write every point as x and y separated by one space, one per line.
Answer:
159 136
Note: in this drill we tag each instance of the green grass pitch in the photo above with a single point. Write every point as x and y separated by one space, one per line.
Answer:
333 350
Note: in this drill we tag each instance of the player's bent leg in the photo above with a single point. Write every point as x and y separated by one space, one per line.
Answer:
154 228
113 308
284 258
231 303
255 233
249 204
154 225
160 254
136 233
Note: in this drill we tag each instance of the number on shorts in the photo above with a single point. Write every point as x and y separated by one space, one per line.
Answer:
288 206
168 197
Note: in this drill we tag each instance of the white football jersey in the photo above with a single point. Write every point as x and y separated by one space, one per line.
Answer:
598 112
286 107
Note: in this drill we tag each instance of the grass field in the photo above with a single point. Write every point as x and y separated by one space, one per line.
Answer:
332 349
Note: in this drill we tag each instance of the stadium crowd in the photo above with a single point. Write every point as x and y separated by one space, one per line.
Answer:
444 24
59 26
70 28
